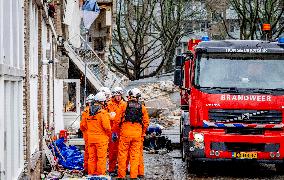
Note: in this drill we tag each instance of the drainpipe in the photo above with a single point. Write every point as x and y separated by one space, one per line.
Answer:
85 89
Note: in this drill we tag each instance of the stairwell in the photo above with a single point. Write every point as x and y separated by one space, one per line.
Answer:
98 73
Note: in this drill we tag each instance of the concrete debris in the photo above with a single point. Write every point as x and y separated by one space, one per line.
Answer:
161 99
167 86
71 174
54 175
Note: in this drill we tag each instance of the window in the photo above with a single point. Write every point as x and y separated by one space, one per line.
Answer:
100 26
121 7
196 27
232 28
178 51
137 2
203 26
13 135
217 16
11 90
203 2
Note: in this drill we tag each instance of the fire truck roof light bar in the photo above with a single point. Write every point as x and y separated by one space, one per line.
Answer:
281 40
205 38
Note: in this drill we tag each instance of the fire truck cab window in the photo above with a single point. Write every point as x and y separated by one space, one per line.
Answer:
235 72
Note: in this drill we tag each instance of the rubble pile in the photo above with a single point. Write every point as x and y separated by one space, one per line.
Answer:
158 98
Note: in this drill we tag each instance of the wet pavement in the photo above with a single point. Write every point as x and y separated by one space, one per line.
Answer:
170 167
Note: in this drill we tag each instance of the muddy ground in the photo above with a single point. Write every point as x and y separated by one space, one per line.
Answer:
170 167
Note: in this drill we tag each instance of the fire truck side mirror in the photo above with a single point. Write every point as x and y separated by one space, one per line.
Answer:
188 56
180 61
178 77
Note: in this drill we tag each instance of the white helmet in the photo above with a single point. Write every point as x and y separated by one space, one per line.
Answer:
100 97
135 92
90 98
105 90
117 91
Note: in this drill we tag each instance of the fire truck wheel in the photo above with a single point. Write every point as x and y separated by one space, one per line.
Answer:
280 167
184 150
192 165
181 140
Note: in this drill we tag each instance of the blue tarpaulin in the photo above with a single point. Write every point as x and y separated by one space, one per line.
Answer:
74 159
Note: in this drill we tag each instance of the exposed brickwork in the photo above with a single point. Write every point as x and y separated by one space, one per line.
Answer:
26 93
35 161
101 34
40 92
62 67
58 17
35 174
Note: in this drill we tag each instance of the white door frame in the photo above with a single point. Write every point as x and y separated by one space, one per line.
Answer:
58 102
2 168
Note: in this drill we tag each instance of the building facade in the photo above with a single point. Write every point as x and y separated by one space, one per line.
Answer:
41 78
27 50
12 76
101 30
216 19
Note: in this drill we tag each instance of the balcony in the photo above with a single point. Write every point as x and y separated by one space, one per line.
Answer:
104 1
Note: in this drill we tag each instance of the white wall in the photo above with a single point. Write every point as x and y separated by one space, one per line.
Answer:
34 139
11 88
58 105
44 72
51 85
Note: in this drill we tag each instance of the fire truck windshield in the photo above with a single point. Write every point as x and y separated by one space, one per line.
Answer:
240 72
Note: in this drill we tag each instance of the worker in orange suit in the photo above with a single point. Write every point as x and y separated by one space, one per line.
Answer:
83 128
133 121
114 105
99 132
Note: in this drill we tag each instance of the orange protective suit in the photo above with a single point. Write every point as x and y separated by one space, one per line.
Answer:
130 142
83 128
99 131
141 171
141 159
114 106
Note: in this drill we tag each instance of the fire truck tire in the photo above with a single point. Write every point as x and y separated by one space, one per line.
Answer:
279 167
181 140
184 150
192 165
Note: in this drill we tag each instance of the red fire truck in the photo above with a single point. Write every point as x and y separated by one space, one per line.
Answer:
232 97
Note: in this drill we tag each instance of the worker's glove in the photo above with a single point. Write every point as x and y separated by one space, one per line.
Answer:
114 137
112 115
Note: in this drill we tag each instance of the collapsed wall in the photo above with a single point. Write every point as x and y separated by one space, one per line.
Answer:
161 98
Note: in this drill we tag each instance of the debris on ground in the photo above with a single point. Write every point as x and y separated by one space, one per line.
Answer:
158 167
54 175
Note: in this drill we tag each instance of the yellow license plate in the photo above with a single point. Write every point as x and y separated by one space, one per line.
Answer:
244 155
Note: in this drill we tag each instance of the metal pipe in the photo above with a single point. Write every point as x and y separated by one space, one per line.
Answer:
85 89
